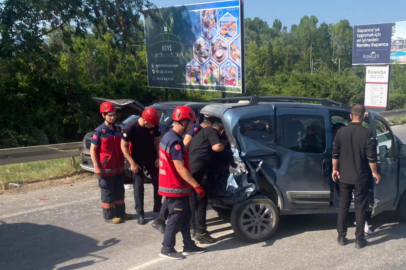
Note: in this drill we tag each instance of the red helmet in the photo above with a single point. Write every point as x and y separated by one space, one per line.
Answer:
183 112
151 116
106 107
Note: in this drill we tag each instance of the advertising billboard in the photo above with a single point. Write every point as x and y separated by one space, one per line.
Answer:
371 44
379 44
196 47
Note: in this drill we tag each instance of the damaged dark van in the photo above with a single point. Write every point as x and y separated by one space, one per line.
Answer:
279 162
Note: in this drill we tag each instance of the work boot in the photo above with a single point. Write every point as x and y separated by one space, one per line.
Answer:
204 237
127 216
115 220
141 219
192 249
171 255
341 240
159 226
360 243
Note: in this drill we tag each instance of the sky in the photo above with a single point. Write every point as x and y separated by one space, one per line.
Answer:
357 12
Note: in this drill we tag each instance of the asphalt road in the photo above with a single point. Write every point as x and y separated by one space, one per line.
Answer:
62 228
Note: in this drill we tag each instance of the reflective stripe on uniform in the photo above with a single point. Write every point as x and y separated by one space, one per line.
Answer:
109 171
161 171
160 163
175 190
107 205
161 155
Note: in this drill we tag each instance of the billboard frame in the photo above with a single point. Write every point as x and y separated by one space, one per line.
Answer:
242 67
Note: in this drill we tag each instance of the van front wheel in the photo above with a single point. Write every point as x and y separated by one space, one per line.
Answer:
255 220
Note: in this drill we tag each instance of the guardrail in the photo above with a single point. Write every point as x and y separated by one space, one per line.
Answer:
37 153
392 113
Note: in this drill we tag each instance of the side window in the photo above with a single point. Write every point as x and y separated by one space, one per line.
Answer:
303 133
385 138
339 120
257 128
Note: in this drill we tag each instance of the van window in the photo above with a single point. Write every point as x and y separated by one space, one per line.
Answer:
257 128
385 138
303 133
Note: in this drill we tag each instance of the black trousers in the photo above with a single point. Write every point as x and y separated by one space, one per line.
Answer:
139 188
178 221
163 213
112 195
360 202
198 205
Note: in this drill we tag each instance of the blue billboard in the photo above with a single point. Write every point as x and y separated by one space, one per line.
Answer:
372 44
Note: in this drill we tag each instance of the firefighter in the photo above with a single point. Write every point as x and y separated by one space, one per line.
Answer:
108 163
144 135
159 222
175 183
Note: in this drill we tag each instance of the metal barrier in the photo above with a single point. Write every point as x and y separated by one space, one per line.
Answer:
393 113
42 152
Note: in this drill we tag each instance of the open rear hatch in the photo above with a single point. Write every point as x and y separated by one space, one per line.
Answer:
125 107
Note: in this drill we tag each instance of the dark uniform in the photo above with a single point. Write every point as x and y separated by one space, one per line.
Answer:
163 214
194 130
201 157
111 159
175 189
354 147
143 151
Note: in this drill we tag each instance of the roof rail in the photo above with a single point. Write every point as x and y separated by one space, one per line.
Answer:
254 100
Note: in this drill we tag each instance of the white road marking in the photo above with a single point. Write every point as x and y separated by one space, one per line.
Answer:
44 208
155 261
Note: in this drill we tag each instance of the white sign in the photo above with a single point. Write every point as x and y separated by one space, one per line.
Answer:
377 74
376 96
376 87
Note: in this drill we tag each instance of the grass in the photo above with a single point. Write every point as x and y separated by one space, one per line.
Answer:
396 120
38 170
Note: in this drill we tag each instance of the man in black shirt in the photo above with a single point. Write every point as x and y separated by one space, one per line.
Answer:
354 155
140 145
202 147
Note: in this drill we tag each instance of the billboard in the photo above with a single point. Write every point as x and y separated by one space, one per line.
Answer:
196 47
379 44
371 44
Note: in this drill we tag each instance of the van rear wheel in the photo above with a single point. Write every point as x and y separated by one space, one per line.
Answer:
255 220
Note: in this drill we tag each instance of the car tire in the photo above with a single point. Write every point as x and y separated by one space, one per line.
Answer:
255 220
401 210
221 212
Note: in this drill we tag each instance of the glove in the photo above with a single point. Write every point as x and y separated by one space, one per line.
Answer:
200 191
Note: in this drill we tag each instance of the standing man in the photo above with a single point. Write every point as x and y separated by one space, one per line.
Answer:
175 183
108 163
202 149
144 136
354 153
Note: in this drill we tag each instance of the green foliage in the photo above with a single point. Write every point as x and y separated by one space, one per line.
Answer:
56 55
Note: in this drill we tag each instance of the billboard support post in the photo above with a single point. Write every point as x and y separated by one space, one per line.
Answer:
242 48
166 94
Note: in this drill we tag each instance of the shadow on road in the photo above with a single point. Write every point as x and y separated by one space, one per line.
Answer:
33 246
386 227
